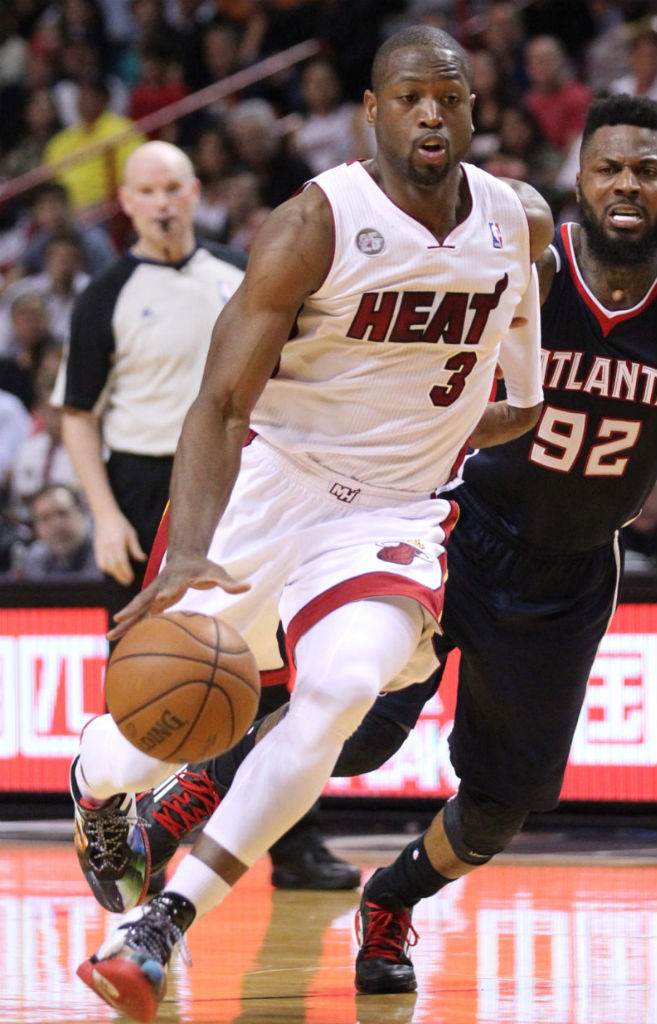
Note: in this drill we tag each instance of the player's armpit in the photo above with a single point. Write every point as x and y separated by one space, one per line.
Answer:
502 422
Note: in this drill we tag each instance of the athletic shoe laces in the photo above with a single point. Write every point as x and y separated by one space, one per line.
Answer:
386 933
190 806
106 836
156 935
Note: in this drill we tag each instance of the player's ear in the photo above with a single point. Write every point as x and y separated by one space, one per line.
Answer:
577 188
369 100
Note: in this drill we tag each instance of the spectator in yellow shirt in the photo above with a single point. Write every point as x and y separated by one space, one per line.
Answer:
93 181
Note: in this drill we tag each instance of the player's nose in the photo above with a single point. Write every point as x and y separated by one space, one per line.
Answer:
626 180
430 113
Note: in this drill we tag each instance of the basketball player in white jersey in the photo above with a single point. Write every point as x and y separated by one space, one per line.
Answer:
345 380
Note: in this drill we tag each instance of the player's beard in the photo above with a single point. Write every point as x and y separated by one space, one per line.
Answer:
616 251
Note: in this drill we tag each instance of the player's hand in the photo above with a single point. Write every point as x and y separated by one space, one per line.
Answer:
115 543
168 587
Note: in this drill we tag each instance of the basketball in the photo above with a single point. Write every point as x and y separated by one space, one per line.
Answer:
182 686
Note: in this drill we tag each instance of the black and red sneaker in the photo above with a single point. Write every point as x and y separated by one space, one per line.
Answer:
174 809
384 933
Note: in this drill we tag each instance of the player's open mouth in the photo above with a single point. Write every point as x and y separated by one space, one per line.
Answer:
431 149
625 216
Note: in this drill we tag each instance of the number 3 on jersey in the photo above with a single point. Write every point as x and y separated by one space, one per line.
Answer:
560 436
461 364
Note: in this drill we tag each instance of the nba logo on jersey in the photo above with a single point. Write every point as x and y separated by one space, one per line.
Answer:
496 234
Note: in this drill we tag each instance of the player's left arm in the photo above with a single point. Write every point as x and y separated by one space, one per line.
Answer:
520 350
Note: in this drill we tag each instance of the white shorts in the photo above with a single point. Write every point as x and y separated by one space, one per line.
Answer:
309 541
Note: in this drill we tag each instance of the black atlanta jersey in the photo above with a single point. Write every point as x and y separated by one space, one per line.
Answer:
592 458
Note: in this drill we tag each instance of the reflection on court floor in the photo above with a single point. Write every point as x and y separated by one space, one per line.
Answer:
514 943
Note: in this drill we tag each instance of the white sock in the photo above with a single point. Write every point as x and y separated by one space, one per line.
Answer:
199 884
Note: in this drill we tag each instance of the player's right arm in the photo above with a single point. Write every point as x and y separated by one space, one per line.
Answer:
288 261
115 539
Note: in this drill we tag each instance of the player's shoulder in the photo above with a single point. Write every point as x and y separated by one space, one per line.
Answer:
538 214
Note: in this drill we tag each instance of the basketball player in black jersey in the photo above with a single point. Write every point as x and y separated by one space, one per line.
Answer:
535 560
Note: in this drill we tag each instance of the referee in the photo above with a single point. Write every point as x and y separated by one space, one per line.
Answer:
140 333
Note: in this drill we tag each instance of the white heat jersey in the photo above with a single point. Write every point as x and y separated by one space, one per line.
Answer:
392 359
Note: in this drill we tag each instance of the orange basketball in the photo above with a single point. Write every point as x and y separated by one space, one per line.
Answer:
182 686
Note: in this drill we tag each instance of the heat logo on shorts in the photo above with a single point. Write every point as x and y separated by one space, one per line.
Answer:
401 553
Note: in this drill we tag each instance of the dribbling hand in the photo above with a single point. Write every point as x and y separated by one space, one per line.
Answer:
169 586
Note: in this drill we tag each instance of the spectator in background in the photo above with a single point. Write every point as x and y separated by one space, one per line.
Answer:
41 122
491 89
147 25
51 214
13 48
79 62
63 545
246 212
40 458
82 20
14 96
557 100
15 426
27 341
93 181
519 136
500 30
641 78
219 54
213 161
159 83
330 131
63 277
260 147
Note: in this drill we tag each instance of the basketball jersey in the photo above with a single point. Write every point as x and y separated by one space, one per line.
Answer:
391 361
587 467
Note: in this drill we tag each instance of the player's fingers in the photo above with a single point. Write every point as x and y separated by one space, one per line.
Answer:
226 582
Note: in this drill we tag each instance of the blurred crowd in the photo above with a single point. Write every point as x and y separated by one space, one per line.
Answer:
74 73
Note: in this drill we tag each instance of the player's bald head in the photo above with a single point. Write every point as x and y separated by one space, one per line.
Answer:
155 157
417 37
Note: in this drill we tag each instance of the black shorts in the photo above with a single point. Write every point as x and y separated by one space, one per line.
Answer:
140 484
528 625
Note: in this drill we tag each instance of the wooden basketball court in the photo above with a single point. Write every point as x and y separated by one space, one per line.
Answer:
535 938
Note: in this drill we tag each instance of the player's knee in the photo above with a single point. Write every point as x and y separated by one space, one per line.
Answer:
337 708
478 826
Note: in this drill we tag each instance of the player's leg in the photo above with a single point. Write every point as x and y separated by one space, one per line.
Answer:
520 692
343 662
186 800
